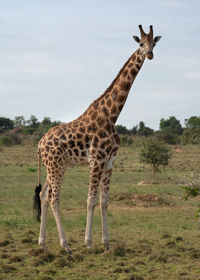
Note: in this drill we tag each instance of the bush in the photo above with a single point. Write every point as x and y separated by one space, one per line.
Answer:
191 185
10 139
6 140
121 129
191 136
155 154
126 140
171 124
168 137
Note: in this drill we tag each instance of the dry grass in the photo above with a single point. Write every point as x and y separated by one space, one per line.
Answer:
153 232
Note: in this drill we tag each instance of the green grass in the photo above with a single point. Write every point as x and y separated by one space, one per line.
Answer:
153 232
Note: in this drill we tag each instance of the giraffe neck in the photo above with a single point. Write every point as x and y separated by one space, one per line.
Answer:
111 102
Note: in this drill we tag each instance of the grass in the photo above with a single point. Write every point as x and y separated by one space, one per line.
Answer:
153 232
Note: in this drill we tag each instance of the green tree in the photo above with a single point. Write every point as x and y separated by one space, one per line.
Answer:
193 122
144 130
172 125
46 122
19 121
6 123
121 129
134 130
155 154
33 121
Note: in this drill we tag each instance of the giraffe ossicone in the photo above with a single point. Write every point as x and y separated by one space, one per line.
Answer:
89 139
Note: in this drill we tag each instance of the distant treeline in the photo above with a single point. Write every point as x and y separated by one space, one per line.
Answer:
170 130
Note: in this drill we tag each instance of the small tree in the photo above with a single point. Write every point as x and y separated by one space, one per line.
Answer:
33 121
19 121
191 185
155 154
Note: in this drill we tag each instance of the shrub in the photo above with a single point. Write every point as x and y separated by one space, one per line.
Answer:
155 154
191 136
126 140
6 140
167 137
171 124
191 185
10 139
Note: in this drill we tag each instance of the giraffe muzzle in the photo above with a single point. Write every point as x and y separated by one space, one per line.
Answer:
150 55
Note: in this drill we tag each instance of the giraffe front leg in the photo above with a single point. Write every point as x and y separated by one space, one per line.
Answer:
95 175
104 202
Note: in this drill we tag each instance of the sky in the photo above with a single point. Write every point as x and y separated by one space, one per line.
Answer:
57 56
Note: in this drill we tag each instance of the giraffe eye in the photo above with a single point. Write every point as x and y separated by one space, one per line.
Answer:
141 45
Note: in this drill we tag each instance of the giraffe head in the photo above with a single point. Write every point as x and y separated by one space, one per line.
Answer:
147 42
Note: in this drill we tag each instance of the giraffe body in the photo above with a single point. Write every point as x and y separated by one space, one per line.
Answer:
90 139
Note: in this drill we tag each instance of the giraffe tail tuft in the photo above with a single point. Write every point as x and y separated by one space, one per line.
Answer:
37 202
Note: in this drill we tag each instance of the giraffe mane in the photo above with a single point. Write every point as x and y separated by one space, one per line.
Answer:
114 81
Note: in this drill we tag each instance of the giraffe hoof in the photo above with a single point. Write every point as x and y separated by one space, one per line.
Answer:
106 245
88 244
69 251
43 245
65 246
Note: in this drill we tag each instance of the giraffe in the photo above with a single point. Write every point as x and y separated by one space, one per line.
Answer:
89 139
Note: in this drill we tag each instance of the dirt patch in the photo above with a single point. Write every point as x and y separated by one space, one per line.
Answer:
141 183
4 256
78 258
166 236
46 257
27 240
4 243
141 250
50 271
98 250
135 277
119 250
8 268
178 150
194 253
15 259
171 244
35 252
61 262
46 277
142 200
30 233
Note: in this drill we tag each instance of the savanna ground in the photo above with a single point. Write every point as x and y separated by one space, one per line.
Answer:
154 233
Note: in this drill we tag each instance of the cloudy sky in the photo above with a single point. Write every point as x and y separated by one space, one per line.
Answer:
57 56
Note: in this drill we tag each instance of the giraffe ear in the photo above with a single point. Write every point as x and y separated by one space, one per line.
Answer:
136 38
156 39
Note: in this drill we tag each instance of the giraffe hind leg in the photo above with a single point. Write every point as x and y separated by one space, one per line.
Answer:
44 208
54 193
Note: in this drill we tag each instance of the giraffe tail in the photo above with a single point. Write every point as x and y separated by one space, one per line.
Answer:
36 200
